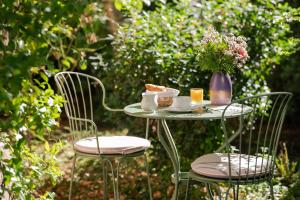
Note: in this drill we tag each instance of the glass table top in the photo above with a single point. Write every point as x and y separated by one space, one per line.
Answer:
205 112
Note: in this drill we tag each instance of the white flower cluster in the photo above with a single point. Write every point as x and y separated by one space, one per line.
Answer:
211 35
237 49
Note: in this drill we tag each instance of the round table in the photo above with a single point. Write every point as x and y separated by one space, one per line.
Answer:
208 112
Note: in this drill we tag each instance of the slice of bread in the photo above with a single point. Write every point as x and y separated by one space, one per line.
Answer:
155 88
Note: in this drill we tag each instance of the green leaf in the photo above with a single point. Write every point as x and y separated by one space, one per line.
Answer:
118 4
83 66
44 76
4 94
66 63
139 5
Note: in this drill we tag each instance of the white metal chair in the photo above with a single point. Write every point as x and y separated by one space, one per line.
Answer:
80 92
251 141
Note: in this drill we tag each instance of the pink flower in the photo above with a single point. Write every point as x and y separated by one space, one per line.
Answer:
243 53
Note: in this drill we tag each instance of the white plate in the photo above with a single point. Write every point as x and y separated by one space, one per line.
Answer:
180 109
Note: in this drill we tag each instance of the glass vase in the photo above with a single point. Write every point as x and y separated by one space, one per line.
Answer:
220 89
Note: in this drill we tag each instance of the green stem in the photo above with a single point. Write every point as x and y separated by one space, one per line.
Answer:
221 58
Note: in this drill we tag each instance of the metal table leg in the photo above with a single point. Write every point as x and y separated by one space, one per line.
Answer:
171 149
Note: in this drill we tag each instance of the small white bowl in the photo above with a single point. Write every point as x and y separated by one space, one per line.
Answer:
182 102
165 98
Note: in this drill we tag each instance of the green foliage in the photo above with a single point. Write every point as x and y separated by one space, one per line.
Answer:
36 107
24 171
130 5
157 47
38 38
294 191
34 112
134 6
285 168
266 25
261 191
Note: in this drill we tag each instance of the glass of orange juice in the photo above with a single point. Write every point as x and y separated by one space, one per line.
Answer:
196 95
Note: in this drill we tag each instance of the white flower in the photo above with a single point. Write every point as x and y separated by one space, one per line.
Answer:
43 109
23 129
50 101
58 108
19 136
21 44
48 9
52 122
22 107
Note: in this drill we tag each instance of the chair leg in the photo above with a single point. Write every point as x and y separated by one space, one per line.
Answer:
104 172
227 192
210 192
148 177
188 188
72 176
115 177
175 194
237 192
219 192
233 189
271 189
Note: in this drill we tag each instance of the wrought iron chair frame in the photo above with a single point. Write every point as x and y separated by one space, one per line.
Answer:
79 124
233 183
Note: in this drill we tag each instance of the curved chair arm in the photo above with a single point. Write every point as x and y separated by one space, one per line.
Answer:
112 109
96 82
104 95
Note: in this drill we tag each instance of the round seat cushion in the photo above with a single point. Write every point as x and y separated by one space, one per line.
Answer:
112 145
216 165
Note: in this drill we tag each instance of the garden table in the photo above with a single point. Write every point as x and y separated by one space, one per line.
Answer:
166 139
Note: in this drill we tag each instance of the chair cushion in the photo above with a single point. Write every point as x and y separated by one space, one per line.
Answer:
112 145
216 165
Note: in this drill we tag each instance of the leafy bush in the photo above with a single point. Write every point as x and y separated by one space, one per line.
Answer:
38 38
294 191
23 169
286 170
157 47
266 25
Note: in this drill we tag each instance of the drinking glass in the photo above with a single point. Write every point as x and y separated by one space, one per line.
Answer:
196 95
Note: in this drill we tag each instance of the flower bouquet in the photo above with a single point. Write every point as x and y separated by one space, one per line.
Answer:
221 54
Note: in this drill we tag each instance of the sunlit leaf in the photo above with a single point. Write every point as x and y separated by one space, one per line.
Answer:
118 4
44 77
66 63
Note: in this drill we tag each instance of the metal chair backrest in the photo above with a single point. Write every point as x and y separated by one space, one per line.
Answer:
82 94
254 134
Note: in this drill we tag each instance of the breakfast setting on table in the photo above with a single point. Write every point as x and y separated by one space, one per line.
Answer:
158 98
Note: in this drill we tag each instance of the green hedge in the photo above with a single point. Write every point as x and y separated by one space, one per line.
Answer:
37 39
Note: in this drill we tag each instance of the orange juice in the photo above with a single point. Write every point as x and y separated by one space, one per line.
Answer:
196 95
